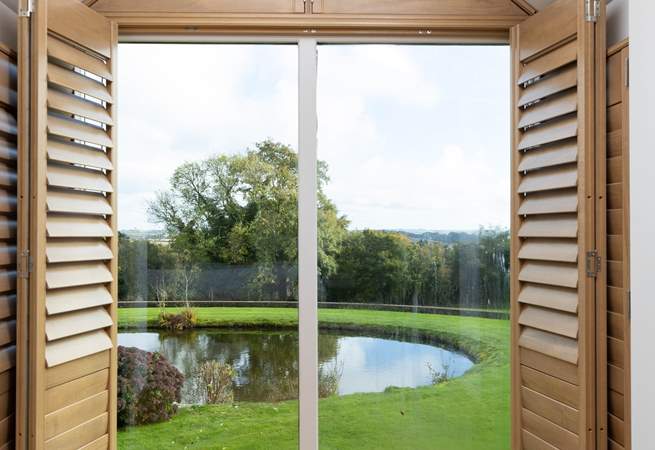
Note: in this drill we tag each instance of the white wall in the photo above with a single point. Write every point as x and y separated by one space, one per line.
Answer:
642 218
617 21
7 25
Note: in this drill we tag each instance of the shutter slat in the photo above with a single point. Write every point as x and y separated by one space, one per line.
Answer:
73 104
77 227
78 154
562 80
532 442
553 60
78 368
72 392
556 412
83 434
7 228
78 203
77 58
548 109
547 179
557 130
77 130
77 82
102 443
8 124
561 390
7 306
78 322
7 332
554 155
71 275
556 322
550 226
77 178
559 437
75 347
7 358
558 347
74 299
550 297
550 203
71 416
76 251
562 275
560 250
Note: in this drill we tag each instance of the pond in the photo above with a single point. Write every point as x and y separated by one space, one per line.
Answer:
266 362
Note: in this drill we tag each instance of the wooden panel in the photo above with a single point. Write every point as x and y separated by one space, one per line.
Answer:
560 390
561 177
74 391
549 28
552 155
76 130
549 344
76 178
557 82
77 227
615 353
550 203
71 275
614 118
7 358
79 23
552 226
77 58
78 203
556 130
554 411
78 322
615 196
76 105
532 442
615 248
554 60
616 404
549 432
555 322
80 435
68 152
616 428
550 297
418 7
62 301
615 169
562 275
614 143
561 250
556 106
614 79
198 6
74 370
102 443
7 332
77 82
616 378
60 421
7 306
76 347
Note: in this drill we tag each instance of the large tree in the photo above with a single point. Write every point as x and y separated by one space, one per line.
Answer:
242 210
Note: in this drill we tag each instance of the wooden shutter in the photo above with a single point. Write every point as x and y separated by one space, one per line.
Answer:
73 238
616 221
8 211
553 228
469 8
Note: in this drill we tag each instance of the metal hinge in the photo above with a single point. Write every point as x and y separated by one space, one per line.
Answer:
628 306
593 263
592 10
24 264
627 71
26 8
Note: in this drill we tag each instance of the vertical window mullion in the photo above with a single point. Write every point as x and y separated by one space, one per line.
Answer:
307 244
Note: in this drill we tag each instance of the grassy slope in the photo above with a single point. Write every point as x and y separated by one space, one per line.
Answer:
470 412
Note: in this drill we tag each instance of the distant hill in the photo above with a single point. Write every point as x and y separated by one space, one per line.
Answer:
148 235
445 237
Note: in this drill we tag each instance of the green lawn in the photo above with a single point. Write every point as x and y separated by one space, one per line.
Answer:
470 412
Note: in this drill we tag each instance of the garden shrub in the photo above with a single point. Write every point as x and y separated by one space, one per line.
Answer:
149 387
213 382
184 320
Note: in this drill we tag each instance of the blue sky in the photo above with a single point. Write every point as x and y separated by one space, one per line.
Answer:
415 136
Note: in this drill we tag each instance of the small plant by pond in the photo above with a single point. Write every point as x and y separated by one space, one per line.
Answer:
184 320
329 378
212 382
149 387
440 375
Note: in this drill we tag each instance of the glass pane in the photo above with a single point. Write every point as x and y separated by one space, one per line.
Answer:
414 247
208 246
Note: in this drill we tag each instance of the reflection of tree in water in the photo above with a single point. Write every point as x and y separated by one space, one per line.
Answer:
266 363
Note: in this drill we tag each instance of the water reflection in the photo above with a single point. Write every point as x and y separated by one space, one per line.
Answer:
266 362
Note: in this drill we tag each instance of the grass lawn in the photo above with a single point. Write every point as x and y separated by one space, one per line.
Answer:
466 413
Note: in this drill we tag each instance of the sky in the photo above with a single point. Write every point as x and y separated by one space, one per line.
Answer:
415 137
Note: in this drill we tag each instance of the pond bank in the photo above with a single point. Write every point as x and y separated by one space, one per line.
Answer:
471 412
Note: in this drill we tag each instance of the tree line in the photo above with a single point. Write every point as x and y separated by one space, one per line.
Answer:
231 224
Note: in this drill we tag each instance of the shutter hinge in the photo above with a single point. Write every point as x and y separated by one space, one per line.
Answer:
24 264
26 8
629 304
593 263
627 71
592 10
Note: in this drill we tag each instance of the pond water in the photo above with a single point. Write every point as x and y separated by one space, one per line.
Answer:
266 362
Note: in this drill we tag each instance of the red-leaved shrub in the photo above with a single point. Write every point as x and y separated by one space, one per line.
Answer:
148 387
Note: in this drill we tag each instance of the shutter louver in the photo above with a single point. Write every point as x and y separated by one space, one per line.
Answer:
8 211
552 304
75 240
